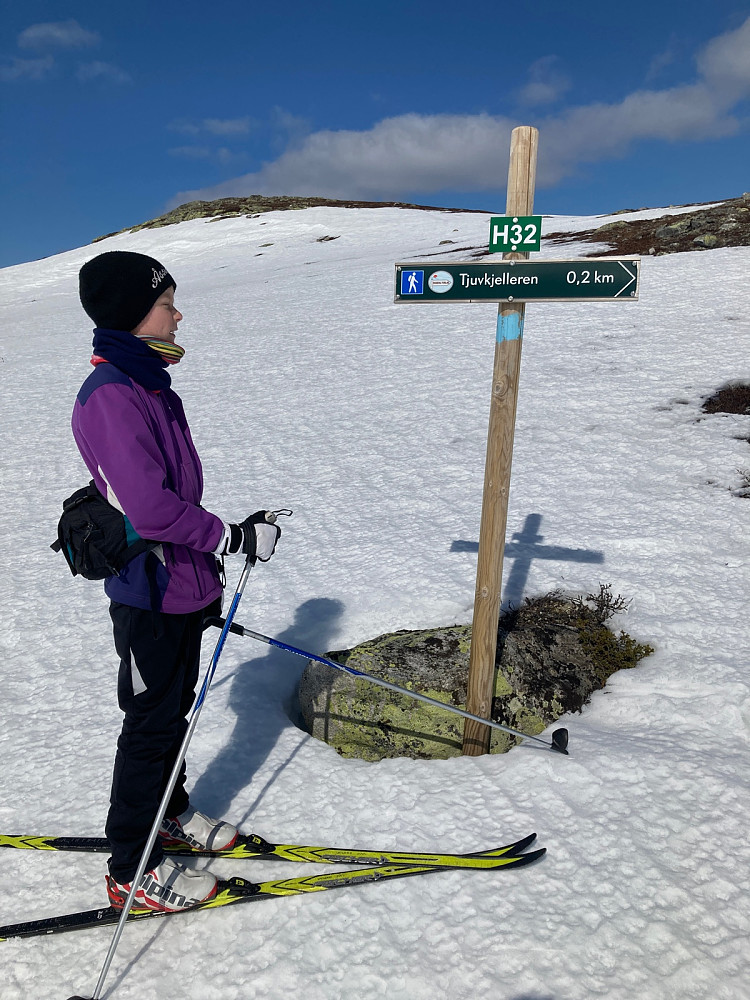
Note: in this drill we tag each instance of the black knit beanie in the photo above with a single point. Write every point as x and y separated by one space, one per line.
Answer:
119 288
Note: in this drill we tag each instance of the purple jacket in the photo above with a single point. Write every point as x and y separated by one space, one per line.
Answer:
138 449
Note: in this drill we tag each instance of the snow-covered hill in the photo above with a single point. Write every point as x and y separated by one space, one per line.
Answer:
307 387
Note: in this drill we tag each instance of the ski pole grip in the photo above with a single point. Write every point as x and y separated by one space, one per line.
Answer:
217 622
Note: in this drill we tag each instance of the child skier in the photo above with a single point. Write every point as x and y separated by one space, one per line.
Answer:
131 431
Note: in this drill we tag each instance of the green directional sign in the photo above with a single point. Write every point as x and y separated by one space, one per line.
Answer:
519 233
598 279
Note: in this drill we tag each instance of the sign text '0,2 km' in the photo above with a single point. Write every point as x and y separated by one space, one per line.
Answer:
594 279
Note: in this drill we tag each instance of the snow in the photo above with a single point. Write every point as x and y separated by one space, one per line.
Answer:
307 387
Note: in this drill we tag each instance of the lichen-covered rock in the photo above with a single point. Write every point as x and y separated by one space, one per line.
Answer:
362 720
553 652
683 225
708 240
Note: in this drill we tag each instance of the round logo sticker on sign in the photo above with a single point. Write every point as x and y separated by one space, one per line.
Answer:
440 282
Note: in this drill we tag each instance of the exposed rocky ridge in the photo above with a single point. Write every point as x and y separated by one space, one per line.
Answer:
724 225
257 204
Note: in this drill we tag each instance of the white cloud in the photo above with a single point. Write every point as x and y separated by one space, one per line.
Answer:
184 126
725 63
546 83
60 35
102 71
191 152
605 131
659 63
428 153
57 34
411 151
288 129
227 126
27 69
213 126
223 155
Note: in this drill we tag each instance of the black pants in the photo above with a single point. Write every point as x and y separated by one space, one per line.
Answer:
156 690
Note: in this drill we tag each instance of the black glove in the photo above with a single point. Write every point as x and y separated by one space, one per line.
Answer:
256 536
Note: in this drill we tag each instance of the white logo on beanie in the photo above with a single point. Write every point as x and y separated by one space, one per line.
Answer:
158 276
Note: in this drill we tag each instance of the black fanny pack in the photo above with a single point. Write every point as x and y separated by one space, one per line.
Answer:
96 538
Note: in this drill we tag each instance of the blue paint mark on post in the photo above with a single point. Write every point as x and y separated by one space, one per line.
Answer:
509 326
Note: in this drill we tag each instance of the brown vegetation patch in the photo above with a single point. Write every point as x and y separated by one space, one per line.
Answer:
724 225
733 398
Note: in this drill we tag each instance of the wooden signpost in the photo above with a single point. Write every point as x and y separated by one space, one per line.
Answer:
505 375
511 283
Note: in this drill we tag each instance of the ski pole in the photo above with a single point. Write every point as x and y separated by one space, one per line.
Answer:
193 722
559 740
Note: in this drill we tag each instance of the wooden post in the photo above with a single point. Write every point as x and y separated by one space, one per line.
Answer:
520 201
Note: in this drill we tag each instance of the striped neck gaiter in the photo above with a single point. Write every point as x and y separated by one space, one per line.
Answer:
171 353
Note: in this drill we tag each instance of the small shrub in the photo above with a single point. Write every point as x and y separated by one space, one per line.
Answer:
608 651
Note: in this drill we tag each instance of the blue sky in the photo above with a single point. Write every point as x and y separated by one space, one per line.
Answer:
112 114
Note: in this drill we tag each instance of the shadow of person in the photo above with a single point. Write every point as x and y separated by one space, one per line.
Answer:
263 698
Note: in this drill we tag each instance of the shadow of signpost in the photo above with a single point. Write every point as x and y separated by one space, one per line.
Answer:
524 546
